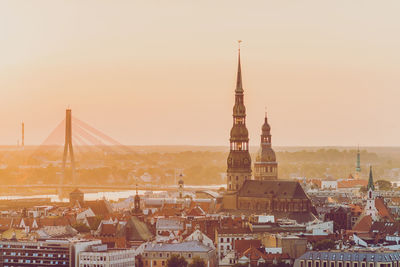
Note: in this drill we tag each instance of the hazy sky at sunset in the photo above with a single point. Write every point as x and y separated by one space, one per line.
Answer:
163 72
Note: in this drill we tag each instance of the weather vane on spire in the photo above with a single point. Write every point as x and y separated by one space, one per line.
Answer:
239 41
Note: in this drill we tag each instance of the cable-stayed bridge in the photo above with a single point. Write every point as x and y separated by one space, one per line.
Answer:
78 137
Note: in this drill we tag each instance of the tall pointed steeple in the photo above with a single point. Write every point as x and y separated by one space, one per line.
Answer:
370 180
239 161
239 86
136 209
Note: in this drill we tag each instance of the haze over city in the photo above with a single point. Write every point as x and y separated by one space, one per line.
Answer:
162 73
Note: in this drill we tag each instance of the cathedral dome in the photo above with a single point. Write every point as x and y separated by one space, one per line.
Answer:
239 132
266 128
266 154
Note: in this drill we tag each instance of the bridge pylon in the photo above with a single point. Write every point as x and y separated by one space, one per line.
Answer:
68 147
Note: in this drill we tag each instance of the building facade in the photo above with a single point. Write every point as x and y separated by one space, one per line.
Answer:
42 253
348 259
157 255
101 256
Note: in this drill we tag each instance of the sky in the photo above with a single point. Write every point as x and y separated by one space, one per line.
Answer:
163 72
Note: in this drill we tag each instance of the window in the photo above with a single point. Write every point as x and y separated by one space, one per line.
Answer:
324 264
309 263
332 264
340 264
347 264
316 263
370 264
363 264
355 264
155 263
301 263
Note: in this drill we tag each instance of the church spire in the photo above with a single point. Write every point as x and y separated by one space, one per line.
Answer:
239 160
370 180
239 86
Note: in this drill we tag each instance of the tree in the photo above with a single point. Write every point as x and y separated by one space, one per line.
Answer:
384 185
324 244
176 261
197 262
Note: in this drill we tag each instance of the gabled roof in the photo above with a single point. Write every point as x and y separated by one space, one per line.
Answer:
137 230
383 211
99 207
196 211
254 254
363 224
386 228
241 246
283 189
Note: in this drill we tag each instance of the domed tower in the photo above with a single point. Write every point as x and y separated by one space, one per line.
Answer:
266 167
239 161
136 209
180 186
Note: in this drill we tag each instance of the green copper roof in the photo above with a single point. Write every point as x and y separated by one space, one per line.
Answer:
358 167
370 180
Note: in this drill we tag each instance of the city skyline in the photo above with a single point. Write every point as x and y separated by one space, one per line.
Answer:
325 84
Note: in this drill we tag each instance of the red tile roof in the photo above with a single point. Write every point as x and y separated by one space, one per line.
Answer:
383 211
364 224
242 245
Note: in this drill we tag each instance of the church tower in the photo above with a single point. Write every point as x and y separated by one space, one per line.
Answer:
239 161
266 167
370 208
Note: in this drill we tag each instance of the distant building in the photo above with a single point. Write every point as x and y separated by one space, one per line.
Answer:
76 196
157 254
265 194
42 253
341 218
348 259
100 255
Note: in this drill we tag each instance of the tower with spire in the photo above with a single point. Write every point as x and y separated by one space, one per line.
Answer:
370 208
239 161
136 209
265 166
